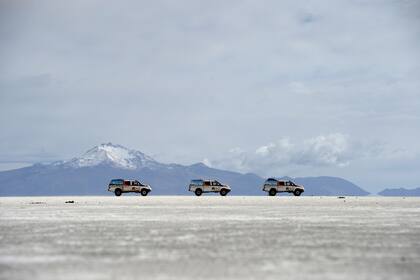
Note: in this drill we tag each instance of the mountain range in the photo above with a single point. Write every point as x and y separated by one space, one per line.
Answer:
400 192
90 174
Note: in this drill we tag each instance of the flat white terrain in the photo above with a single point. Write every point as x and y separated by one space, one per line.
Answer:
209 237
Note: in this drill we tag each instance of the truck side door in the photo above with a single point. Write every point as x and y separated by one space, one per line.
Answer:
126 186
215 186
135 186
206 186
281 186
289 186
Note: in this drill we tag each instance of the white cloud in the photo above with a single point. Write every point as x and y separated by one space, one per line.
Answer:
300 88
332 150
207 162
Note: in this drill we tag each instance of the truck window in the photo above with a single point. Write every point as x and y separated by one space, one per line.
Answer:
271 182
197 182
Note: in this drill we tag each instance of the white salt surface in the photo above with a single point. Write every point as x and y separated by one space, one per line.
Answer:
209 237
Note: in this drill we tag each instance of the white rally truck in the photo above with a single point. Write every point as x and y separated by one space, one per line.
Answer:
120 186
274 186
200 186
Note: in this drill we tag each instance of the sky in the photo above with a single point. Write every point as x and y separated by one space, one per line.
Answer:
297 88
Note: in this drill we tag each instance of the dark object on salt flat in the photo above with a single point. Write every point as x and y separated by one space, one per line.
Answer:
70 201
341 197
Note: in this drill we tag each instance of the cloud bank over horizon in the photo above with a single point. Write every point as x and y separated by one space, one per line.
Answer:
321 152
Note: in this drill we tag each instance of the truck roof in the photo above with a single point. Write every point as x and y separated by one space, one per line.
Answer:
272 179
278 179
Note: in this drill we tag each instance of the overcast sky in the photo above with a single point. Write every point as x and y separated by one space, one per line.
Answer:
295 88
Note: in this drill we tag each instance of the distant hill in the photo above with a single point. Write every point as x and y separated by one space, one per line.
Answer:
325 185
90 174
400 192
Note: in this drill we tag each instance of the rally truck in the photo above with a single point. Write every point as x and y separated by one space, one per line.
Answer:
200 186
274 186
120 186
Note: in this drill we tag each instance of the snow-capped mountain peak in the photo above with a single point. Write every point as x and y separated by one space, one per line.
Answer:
115 155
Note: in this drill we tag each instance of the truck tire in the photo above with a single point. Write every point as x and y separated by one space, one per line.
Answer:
297 192
118 192
144 192
223 192
198 192
272 192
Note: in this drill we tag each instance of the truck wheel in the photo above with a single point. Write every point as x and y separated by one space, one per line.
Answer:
272 192
223 192
118 192
198 192
144 192
297 192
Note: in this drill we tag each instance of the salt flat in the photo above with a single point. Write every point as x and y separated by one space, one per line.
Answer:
209 237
